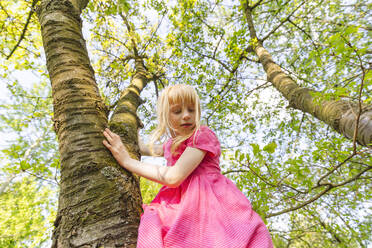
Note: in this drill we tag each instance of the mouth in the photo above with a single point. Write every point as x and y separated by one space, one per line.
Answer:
186 125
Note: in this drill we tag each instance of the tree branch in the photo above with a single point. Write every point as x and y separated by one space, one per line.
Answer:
303 31
6 12
153 34
256 4
282 22
34 2
130 32
360 92
328 187
207 56
334 169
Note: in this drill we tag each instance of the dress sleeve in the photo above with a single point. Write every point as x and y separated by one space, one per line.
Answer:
205 139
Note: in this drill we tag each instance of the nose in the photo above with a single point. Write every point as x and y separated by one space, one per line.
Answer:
186 115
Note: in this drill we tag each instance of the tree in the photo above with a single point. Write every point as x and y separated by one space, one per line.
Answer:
288 163
99 203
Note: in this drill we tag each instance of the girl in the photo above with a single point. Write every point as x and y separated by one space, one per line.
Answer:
197 206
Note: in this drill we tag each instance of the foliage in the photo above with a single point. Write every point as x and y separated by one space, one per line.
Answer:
29 167
28 155
149 189
26 214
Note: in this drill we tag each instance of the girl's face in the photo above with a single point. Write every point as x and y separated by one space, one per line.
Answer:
182 118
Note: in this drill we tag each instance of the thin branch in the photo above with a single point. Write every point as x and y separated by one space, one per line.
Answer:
130 32
208 56
352 230
273 15
124 60
206 24
219 94
328 187
304 31
357 176
156 89
153 34
113 38
261 86
234 171
259 176
326 227
6 12
334 169
218 43
282 22
42 178
360 92
256 4
5 184
24 158
34 2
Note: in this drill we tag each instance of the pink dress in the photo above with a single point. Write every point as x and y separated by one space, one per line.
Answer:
207 210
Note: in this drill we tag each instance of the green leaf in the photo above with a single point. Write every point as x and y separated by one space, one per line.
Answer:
270 148
256 149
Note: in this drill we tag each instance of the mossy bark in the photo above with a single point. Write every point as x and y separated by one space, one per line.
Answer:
129 101
99 202
340 114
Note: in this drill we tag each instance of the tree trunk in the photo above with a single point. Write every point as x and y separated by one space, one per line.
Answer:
99 203
126 111
341 115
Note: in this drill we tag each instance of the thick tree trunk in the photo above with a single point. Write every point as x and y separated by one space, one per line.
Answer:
341 115
99 203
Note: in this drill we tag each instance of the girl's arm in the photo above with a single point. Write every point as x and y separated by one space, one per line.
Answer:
146 151
170 176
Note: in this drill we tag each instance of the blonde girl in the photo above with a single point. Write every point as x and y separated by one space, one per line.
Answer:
197 206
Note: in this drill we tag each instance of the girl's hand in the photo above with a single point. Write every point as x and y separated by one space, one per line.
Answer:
116 147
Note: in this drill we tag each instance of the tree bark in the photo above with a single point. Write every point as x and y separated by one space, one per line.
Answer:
125 114
99 202
341 115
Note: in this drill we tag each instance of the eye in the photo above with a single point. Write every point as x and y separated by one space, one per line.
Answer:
191 109
176 111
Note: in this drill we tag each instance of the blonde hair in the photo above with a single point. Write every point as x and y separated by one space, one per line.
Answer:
175 94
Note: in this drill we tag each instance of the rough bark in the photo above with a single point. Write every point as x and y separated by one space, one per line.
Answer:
99 203
341 115
125 114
